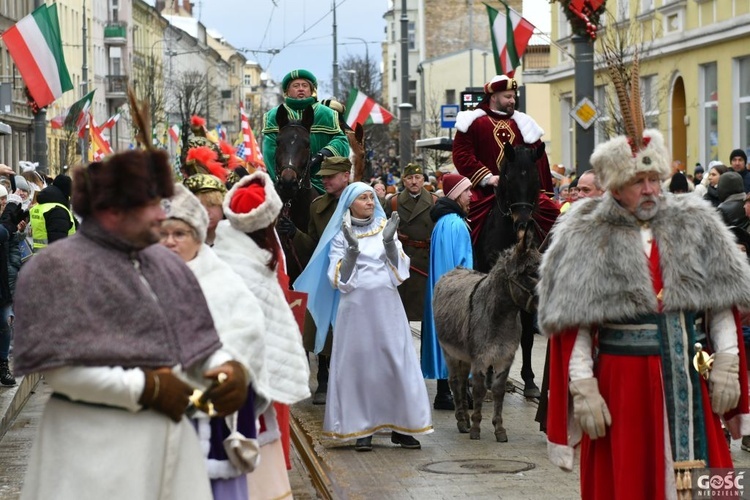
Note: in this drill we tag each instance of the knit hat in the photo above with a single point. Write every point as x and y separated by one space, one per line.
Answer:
730 183
64 184
186 207
616 162
299 74
334 165
678 184
252 203
738 152
22 184
454 185
698 169
500 83
413 169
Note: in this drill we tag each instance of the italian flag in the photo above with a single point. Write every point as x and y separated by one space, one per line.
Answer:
364 110
35 45
510 37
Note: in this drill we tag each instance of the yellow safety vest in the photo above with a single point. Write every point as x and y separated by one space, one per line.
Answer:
39 225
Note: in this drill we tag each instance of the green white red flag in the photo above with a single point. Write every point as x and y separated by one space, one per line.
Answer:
510 36
364 110
35 45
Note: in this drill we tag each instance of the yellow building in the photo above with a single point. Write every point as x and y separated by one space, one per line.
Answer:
695 75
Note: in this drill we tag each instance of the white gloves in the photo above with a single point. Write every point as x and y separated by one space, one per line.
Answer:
589 408
724 382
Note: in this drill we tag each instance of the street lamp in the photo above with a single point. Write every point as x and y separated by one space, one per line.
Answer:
354 79
367 56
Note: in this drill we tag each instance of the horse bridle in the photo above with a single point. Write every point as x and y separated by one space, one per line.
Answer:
303 180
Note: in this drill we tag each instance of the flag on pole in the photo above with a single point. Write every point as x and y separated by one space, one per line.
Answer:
174 133
99 145
35 45
111 121
510 37
364 110
77 114
250 145
57 122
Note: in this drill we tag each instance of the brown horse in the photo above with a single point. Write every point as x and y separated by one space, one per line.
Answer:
357 145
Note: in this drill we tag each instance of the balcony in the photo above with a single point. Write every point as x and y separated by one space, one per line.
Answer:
115 32
117 88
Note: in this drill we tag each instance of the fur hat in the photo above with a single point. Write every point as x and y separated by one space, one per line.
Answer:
454 185
252 204
186 207
500 83
616 161
738 152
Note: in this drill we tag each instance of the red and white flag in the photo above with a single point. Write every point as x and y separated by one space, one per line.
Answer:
35 45
364 110
510 36
174 133
252 151
111 121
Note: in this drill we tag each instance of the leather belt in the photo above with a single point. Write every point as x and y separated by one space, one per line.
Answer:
413 243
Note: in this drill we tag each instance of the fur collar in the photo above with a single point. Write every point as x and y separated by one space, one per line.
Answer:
530 130
595 269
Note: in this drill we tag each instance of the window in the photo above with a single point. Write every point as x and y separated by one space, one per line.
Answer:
412 35
393 32
603 123
647 5
450 96
650 101
744 102
394 67
623 10
248 81
413 93
709 99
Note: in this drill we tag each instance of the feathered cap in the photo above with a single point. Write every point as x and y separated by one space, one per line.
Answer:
621 158
203 160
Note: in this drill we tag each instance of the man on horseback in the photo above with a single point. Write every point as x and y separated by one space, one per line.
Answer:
478 151
326 137
662 278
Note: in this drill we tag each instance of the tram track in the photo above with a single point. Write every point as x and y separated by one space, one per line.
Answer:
319 473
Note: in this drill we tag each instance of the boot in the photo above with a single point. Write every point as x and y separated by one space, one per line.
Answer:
443 398
363 444
319 398
408 442
6 378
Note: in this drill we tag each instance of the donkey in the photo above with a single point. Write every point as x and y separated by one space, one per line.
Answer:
478 326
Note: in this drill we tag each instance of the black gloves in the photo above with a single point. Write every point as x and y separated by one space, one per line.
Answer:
285 226
317 160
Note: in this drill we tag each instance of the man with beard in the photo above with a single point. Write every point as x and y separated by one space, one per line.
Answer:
661 274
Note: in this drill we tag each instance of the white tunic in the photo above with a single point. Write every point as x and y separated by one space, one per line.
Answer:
375 382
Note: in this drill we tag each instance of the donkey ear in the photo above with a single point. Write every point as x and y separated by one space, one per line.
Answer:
527 242
282 117
308 117
510 153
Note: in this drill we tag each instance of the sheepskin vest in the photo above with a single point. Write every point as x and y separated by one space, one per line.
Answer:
94 300
596 271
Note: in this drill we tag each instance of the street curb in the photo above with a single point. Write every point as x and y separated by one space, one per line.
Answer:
22 394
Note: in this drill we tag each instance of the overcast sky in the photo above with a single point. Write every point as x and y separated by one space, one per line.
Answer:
302 30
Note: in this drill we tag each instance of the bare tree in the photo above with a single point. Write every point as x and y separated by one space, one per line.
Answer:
433 158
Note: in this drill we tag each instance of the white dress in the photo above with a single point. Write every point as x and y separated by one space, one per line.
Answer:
375 382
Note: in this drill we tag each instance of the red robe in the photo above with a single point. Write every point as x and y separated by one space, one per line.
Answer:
629 462
479 152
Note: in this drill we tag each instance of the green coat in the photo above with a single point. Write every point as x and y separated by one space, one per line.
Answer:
324 134
417 225
321 211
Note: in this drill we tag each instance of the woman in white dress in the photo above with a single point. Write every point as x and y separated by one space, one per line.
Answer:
375 381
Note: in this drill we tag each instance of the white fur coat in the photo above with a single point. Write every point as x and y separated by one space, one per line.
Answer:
286 360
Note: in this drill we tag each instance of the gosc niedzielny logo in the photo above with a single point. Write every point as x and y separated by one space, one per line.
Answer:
719 483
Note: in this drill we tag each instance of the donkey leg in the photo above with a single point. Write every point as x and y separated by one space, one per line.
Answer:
498 394
457 383
479 390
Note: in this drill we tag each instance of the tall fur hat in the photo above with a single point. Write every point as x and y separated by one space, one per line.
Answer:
621 158
186 207
127 180
252 204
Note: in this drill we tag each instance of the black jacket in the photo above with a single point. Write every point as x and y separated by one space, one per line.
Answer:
57 220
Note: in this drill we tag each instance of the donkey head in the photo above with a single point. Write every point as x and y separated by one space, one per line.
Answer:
518 189
292 152
522 268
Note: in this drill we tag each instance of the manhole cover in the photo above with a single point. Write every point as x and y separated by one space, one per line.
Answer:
477 466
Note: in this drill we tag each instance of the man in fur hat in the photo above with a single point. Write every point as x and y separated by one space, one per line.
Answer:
326 137
660 272
478 151
122 338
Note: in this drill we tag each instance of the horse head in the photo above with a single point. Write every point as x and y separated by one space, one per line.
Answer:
293 152
356 139
522 268
518 189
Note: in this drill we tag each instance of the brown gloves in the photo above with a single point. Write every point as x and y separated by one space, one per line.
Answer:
229 395
165 393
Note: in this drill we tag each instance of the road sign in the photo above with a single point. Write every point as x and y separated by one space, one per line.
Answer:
585 113
448 114
471 97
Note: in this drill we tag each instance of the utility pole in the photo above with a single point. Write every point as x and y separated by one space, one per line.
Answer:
584 88
471 43
39 144
335 55
85 84
405 106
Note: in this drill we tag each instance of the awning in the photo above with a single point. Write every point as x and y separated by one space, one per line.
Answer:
441 143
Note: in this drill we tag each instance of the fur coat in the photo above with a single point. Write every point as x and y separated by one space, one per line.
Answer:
595 269
286 360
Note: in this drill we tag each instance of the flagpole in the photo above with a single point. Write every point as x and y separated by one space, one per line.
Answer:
85 84
40 129
405 106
